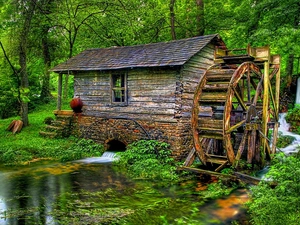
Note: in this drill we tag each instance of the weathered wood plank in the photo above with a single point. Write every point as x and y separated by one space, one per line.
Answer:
157 99
219 74
208 172
213 96
190 158
209 122
236 176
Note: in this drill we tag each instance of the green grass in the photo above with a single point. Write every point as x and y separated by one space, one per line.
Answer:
28 145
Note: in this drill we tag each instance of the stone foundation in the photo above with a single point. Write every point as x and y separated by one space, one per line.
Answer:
102 130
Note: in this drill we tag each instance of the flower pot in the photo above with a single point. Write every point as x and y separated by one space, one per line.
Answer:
76 104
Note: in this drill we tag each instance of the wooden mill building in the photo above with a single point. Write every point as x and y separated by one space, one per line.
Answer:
140 92
168 92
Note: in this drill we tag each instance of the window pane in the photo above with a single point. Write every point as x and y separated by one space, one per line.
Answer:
118 88
118 96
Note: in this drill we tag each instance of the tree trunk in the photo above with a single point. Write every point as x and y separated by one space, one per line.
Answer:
71 44
200 17
289 71
23 39
45 92
172 19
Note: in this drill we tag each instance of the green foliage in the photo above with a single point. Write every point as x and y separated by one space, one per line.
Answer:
29 145
219 188
81 149
284 141
15 156
279 205
293 117
80 25
148 159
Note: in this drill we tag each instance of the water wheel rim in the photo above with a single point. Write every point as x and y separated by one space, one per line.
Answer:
248 71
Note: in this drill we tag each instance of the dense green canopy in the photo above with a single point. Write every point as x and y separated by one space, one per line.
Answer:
38 34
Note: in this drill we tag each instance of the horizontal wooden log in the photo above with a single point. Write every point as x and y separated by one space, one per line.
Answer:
213 96
216 156
208 172
210 123
236 176
217 161
216 87
247 179
148 91
133 110
216 135
137 116
219 74
156 99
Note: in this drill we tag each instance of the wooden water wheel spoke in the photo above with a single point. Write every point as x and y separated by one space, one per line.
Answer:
240 99
241 146
236 126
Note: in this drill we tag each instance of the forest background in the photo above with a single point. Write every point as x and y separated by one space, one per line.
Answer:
38 34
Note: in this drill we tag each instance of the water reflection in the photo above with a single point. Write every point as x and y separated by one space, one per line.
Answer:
28 194
40 194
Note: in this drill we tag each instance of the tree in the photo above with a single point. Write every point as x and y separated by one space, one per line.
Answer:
27 14
71 15
44 11
172 19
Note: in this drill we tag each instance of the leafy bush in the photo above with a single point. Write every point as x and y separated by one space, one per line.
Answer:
279 205
15 156
148 159
81 149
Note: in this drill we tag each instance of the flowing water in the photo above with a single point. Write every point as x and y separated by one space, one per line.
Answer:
284 130
90 191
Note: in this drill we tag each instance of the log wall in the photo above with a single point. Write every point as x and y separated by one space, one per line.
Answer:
159 104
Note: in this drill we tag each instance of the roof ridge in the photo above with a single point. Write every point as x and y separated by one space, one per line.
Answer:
169 53
154 43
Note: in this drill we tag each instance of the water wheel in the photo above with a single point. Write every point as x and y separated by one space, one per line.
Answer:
235 114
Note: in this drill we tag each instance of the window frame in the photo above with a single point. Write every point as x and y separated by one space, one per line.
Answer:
122 88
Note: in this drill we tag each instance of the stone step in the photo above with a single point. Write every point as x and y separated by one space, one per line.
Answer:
48 134
60 123
51 128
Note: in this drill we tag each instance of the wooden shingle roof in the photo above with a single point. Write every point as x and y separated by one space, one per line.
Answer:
172 53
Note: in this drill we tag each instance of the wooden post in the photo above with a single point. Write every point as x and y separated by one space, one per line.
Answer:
59 91
265 110
276 110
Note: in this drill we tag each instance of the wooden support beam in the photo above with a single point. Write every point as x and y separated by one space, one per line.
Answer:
207 172
221 166
265 109
59 92
236 175
190 158
247 179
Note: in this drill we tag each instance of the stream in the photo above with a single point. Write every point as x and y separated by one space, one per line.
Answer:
90 191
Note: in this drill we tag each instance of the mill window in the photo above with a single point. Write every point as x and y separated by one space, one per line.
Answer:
118 88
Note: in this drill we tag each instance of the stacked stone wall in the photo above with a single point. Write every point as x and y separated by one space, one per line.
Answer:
104 130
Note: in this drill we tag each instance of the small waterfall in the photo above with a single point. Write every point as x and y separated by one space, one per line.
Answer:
107 157
284 130
109 154
292 148
298 92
